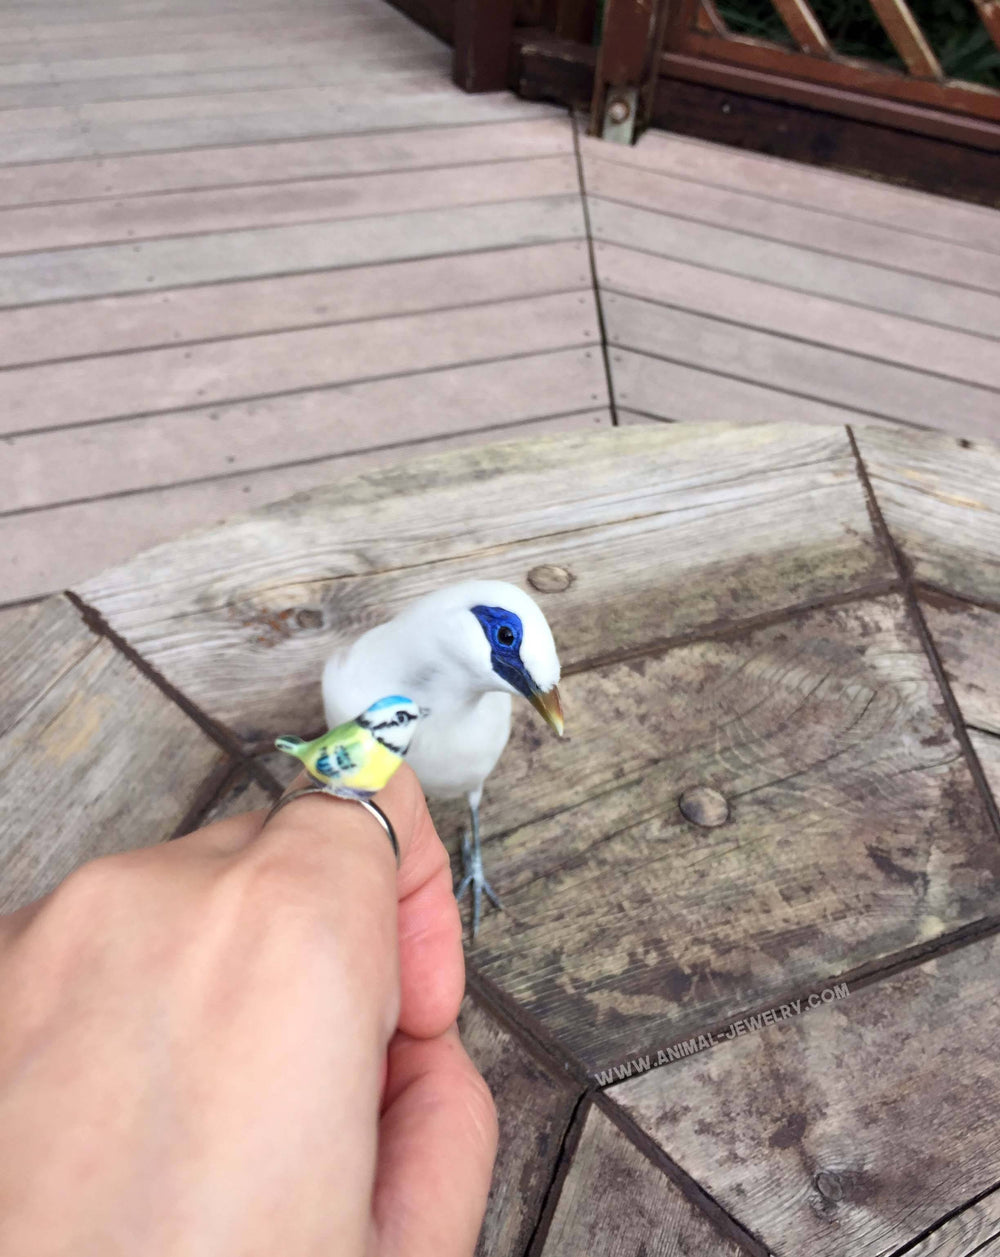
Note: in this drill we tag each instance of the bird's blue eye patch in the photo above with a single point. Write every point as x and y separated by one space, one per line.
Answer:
504 632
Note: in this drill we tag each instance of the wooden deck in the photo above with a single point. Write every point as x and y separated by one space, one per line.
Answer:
741 1001
246 249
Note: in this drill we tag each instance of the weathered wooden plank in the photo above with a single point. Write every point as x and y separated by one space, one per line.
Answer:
674 391
110 27
307 98
829 190
137 41
804 316
987 749
815 1131
158 451
615 1201
156 264
975 1232
534 1107
309 58
674 507
852 830
46 550
941 500
792 224
74 786
968 642
858 283
811 371
48 631
86 389
240 794
242 307
293 159
178 214
431 107
387 55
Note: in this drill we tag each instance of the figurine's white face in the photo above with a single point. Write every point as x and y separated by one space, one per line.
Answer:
392 722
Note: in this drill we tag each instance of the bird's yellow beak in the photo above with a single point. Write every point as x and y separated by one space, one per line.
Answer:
549 708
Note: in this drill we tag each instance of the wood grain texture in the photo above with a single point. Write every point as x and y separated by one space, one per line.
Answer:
810 371
855 831
987 748
769 307
675 391
341 155
793 266
968 643
93 757
51 549
392 54
534 1107
614 1202
815 1131
676 508
829 190
240 794
75 329
147 381
93 460
941 501
425 106
98 270
185 213
809 228
306 60
975 1232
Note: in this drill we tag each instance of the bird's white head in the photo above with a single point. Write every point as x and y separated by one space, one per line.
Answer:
500 638
391 721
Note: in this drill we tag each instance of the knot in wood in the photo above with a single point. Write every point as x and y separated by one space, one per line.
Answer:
704 806
830 1185
547 578
308 618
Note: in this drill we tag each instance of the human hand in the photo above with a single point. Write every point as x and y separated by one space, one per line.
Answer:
243 1043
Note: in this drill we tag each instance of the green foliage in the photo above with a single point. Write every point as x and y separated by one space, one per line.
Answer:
952 28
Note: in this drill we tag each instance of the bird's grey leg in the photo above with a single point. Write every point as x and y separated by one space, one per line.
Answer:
472 867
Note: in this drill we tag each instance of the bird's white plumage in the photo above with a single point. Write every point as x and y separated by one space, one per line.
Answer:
435 652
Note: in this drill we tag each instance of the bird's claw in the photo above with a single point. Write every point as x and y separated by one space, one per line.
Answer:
473 876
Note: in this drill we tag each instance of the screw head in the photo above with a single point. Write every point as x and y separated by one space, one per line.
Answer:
618 110
547 578
703 806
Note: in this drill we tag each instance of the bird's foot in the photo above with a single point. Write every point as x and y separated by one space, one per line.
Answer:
473 876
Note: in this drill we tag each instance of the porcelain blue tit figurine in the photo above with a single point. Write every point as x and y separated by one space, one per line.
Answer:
461 653
357 758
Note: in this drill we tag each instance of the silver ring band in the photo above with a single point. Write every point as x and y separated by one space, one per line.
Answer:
372 808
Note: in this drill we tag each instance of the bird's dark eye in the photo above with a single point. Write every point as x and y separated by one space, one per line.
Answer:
505 635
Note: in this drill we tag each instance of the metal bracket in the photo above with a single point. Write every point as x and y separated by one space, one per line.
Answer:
620 107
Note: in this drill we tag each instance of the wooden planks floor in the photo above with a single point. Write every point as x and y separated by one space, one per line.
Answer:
245 249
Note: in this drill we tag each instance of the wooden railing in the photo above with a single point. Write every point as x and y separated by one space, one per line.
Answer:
700 47
679 63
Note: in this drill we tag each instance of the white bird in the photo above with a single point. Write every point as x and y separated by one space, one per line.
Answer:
459 653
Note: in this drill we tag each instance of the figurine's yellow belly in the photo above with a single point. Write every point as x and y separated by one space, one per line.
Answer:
373 765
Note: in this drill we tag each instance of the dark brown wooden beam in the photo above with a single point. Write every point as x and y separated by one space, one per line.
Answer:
819 138
544 67
483 33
